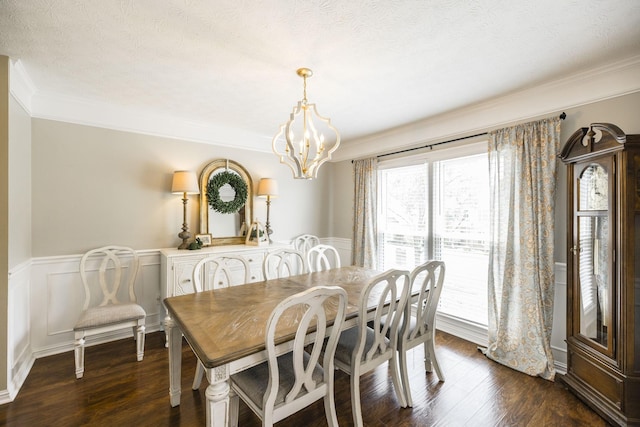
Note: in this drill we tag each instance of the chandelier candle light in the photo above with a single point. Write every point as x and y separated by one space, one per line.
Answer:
184 182
268 187
309 139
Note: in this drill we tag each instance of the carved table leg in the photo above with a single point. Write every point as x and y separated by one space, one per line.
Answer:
222 408
175 361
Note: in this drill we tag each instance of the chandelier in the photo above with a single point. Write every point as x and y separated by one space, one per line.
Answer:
307 140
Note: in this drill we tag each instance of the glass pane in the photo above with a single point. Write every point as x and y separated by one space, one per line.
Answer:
402 217
461 235
593 189
593 266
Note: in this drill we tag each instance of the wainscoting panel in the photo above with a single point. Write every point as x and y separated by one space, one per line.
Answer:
559 329
343 246
19 356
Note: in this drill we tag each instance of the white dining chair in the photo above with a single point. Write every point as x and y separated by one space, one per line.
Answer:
322 257
283 262
216 272
106 307
304 242
285 384
364 347
426 281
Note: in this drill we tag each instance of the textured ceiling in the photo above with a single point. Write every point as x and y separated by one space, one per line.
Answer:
377 64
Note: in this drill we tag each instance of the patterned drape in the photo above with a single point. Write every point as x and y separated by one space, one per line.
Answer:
522 174
365 227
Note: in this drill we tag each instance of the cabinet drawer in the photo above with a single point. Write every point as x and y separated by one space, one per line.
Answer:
182 280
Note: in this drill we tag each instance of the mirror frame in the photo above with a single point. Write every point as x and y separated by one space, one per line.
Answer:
205 176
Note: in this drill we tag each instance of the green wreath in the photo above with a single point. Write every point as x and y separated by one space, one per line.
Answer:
213 192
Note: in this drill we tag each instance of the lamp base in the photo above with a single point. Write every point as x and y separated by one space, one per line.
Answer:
269 232
185 236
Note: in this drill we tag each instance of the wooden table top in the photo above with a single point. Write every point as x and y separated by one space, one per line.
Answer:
227 324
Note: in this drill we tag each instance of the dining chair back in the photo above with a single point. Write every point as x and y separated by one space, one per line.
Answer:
108 275
283 262
304 242
215 272
365 346
426 281
220 271
290 382
322 257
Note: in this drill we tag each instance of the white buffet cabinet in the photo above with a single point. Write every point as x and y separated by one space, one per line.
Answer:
176 265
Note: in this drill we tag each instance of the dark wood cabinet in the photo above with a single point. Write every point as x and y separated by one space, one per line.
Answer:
603 270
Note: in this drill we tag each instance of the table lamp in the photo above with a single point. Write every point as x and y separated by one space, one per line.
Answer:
268 187
184 182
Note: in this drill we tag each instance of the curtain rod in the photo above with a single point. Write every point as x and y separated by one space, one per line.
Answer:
430 146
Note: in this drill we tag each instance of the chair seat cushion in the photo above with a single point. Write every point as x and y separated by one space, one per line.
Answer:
254 381
95 317
347 343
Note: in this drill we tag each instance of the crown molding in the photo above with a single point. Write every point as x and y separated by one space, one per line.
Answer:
20 85
58 107
593 85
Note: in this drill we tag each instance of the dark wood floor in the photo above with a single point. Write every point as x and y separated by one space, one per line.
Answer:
118 391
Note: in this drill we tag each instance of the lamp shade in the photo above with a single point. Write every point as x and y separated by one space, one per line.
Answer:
185 182
267 187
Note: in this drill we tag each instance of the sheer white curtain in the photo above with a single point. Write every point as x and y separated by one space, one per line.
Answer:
522 176
364 212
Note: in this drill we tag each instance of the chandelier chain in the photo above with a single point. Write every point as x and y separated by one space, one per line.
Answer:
304 90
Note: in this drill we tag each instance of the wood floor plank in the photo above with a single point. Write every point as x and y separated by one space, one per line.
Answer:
119 391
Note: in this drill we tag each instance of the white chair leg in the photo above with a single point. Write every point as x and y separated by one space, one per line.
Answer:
330 407
434 360
197 378
140 342
79 356
404 373
234 407
397 383
355 399
427 357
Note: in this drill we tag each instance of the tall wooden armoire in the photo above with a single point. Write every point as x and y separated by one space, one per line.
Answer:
603 270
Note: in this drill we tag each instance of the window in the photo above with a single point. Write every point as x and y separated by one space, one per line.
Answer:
438 208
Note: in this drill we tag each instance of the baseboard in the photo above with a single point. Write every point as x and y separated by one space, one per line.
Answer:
466 330
5 397
18 379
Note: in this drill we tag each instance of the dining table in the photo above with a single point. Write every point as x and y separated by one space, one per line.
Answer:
226 330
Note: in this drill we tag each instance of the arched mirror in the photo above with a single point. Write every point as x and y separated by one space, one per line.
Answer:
226 228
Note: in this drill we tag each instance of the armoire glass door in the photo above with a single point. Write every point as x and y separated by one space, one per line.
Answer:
594 292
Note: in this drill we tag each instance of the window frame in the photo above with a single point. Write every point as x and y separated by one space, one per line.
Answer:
430 157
